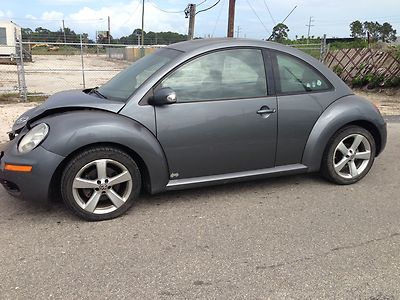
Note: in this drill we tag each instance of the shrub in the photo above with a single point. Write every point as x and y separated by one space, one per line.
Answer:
338 70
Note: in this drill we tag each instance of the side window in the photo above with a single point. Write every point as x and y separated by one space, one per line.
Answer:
295 75
3 36
224 74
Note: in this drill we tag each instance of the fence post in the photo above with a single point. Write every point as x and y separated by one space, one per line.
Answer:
83 66
19 51
323 49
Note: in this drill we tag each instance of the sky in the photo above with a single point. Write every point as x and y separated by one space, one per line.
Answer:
252 17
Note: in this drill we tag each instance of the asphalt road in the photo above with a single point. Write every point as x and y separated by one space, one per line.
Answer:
291 237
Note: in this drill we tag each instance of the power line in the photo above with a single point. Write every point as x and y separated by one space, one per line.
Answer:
204 1
257 16
164 10
219 15
208 8
269 12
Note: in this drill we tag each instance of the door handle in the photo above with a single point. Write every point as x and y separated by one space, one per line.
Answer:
266 110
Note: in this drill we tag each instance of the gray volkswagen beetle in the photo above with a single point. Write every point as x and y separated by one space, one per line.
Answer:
192 114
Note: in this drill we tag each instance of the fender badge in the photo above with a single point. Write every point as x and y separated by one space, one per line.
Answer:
174 175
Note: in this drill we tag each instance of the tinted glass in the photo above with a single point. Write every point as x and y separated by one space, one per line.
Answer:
3 36
295 76
125 83
225 74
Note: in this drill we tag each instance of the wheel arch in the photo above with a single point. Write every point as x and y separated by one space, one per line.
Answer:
75 131
350 110
55 181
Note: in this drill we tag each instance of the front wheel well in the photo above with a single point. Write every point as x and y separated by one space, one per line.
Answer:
54 190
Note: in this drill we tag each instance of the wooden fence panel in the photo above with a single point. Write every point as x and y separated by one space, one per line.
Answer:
352 63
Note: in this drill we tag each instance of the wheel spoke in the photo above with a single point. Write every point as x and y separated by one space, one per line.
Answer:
80 183
353 168
342 148
123 177
115 198
363 155
357 141
101 166
339 166
92 202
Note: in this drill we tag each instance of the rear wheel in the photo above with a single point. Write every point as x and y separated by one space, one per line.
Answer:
349 155
100 183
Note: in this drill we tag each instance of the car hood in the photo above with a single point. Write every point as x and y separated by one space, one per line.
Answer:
64 101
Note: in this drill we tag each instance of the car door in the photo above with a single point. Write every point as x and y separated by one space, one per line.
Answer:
299 88
224 120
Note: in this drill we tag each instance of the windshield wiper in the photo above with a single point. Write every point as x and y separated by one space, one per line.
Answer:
95 91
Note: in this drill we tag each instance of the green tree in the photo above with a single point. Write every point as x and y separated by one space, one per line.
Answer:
374 29
387 33
280 32
357 29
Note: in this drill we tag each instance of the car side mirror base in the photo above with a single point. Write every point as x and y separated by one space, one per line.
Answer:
163 96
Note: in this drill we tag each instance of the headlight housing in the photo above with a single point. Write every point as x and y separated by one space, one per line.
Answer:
33 138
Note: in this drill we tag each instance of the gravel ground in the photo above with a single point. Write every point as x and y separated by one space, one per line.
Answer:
295 237
9 113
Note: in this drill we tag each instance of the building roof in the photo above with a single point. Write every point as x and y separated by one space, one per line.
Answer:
8 22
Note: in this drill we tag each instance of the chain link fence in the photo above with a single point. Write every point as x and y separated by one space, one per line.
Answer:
60 66
316 50
8 70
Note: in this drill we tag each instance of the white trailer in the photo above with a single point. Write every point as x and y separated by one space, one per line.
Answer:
7 38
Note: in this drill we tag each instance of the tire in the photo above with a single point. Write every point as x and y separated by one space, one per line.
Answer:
343 161
100 183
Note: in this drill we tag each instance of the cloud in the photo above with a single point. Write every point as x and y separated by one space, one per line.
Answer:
64 2
6 14
125 17
30 17
52 15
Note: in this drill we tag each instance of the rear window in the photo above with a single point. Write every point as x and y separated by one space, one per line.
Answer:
296 76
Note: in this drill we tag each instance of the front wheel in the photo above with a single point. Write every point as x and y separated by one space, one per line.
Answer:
100 183
349 155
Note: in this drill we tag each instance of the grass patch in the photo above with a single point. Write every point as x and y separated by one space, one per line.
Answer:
14 98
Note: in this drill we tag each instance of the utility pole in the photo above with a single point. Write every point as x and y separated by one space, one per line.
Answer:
65 38
309 28
109 31
231 18
190 12
142 25
238 31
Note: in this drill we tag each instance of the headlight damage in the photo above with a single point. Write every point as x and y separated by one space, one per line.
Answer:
33 138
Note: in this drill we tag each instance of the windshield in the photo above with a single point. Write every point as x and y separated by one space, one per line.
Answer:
125 83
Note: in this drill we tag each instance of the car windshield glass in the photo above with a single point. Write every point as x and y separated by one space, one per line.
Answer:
125 83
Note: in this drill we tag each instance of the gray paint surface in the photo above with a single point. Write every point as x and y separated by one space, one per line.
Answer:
217 137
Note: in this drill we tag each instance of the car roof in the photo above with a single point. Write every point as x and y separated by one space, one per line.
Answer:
188 46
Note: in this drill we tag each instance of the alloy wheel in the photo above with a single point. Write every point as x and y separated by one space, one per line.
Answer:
102 186
351 156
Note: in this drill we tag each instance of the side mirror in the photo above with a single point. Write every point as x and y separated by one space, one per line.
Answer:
163 96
